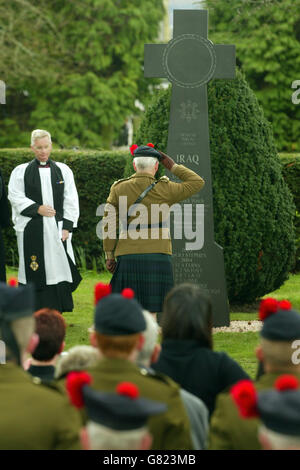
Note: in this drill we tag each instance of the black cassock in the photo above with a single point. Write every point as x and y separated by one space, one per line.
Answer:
4 222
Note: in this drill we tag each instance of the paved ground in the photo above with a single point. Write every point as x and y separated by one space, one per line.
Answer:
239 327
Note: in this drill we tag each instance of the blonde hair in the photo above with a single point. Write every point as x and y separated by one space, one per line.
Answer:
39 134
117 346
101 437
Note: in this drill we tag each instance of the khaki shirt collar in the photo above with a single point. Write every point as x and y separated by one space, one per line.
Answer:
142 175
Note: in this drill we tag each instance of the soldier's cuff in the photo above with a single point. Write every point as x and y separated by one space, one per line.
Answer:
174 167
109 255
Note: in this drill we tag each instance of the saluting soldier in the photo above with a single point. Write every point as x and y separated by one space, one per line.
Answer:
119 325
143 250
33 417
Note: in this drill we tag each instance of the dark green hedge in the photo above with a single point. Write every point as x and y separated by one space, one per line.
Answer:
94 172
253 207
291 173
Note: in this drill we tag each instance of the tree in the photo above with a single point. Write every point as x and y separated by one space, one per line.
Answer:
74 68
253 208
267 38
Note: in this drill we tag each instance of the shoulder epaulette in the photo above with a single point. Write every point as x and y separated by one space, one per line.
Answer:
164 178
122 179
155 375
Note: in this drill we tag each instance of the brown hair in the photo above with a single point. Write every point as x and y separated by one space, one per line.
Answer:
117 346
51 328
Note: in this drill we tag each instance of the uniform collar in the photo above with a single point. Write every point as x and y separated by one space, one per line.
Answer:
142 175
268 379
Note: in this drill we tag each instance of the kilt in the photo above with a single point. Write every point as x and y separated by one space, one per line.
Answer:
149 275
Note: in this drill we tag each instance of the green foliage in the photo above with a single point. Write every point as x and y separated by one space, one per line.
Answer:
73 68
291 173
94 173
267 39
253 208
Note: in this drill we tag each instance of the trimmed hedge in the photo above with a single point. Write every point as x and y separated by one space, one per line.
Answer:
291 173
253 207
94 172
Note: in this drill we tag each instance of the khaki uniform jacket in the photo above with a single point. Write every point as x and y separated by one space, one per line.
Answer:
229 431
171 429
164 192
33 417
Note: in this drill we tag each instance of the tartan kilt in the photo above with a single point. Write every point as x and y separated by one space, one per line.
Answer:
149 275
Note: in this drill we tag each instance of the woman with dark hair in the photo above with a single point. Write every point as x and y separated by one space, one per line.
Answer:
187 354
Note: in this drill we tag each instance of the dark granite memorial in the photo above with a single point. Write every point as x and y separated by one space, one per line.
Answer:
189 61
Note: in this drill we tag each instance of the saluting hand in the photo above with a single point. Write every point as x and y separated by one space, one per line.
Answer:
166 161
111 265
46 211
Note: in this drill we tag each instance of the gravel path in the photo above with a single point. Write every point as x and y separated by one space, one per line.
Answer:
239 327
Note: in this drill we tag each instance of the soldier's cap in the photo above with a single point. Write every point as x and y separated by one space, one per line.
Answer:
278 408
15 302
117 314
122 410
145 151
280 322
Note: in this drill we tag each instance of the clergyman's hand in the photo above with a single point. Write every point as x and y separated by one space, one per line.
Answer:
65 235
111 265
166 161
46 211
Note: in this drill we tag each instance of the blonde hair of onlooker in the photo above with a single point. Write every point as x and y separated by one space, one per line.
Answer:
78 357
39 134
117 346
101 437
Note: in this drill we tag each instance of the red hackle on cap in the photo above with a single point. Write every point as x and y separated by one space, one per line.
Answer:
285 305
286 382
128 389
244 395
101 290
268 307
150 145
132 148
75 382
128 293
13 282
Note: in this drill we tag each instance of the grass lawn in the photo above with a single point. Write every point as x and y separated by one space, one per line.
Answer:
240 346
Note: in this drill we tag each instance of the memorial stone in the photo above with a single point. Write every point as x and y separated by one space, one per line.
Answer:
189 61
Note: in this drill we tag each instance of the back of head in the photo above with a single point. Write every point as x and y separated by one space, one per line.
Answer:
79 357
16 320
150 340
51 328
187 315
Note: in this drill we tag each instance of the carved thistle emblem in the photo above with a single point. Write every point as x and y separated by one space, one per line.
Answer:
189 111
34 265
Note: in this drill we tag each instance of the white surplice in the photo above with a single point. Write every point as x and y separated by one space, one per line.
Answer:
56 262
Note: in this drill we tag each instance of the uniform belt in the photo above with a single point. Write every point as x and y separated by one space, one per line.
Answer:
140 226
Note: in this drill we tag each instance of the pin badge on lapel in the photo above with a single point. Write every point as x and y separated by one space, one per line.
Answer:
60 182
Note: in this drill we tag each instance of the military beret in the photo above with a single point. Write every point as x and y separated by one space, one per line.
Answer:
117 314
280 322
15 302
279 408
122 410
145 151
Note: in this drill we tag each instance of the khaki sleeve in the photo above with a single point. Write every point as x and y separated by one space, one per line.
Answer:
110 224
219 432
68 430
191 184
